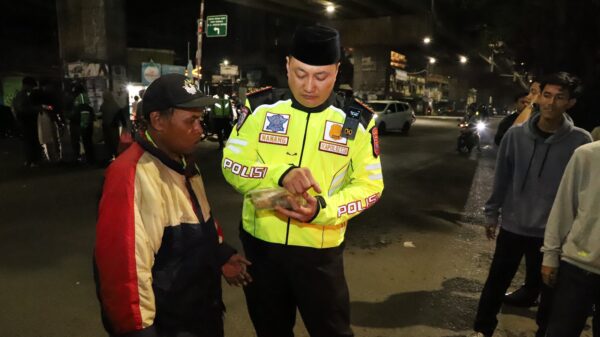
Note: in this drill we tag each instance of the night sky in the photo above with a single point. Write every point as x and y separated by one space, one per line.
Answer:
547 35
29 35
29 30
167 26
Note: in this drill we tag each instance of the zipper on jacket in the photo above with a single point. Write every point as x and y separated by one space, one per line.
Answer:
287 232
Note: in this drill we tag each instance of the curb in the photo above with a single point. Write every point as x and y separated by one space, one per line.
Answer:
452 117
439 117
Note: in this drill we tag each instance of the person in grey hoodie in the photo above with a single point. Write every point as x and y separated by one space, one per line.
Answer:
531 160
572 246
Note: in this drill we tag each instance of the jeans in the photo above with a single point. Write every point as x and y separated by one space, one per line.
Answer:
577 291
510 249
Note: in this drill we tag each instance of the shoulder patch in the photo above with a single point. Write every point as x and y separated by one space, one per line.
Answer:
364 105
242 116
375 141
259 97
258 90
366 113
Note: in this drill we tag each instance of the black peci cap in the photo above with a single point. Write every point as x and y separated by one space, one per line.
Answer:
316 45
173 91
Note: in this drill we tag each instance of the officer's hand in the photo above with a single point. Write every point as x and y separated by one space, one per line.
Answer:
301 213
549 275
300 180
490 231
235 271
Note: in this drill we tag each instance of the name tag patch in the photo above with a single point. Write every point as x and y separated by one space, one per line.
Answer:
273 139
334 148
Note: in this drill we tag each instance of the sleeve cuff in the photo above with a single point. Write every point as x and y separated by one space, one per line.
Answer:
491 220
147 332
225 252
551 260
320 204
280 181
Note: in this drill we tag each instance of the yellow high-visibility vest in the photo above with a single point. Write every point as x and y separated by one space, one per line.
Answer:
277 137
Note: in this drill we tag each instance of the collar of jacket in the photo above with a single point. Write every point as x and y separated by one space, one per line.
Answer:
296 105
148 145
564 130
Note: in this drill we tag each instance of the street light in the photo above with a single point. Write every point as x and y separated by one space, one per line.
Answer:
226 62
432 60
426 40
463 59
330 9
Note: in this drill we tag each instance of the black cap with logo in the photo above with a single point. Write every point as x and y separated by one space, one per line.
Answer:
173 91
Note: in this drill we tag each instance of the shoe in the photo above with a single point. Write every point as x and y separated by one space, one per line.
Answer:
522 297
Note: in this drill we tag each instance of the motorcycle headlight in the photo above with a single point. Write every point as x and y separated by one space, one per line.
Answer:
480 126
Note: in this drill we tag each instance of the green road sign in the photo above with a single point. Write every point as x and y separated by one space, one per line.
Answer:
216 25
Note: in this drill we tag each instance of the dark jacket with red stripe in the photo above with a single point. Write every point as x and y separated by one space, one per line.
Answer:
159 252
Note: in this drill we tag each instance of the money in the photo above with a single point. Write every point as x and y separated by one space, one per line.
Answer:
269 198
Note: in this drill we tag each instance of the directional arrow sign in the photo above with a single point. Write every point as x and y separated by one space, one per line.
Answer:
216 25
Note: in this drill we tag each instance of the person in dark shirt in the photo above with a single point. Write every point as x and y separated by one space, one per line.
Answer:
521 102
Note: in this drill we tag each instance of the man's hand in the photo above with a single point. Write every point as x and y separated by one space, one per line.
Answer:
490 231
300 213
549 275
235 271
300 180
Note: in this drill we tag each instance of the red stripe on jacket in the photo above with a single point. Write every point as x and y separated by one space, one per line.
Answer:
115 244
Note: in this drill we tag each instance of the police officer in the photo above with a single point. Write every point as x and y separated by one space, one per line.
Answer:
221 117
81 125
326 156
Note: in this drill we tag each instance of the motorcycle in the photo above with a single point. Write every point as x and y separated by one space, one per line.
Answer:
470 136
51 129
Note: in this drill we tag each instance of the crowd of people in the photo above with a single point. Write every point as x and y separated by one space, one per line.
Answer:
541 208
160 255
542 216
47 118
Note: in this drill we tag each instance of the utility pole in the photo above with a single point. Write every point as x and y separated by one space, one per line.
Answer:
200 33
190 66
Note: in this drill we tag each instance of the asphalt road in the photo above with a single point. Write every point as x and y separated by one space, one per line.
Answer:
415 262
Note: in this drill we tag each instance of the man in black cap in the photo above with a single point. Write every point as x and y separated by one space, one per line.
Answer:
325 161
159 253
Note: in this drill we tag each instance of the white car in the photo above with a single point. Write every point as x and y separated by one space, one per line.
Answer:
393 115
